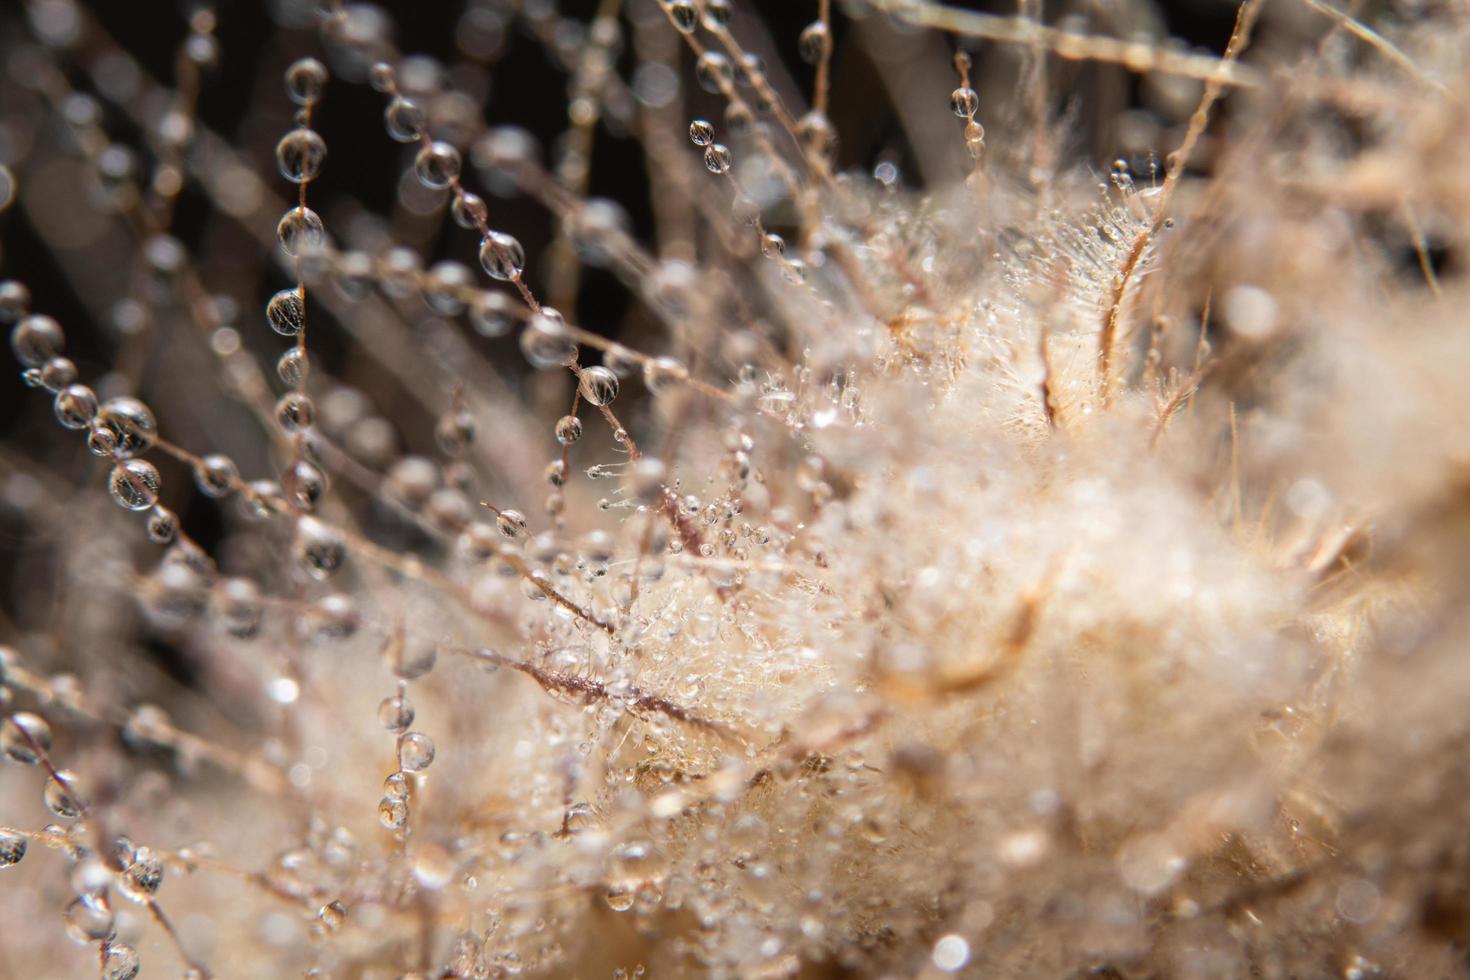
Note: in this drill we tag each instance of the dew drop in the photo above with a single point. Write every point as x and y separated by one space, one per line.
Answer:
299 154
134 484
415 752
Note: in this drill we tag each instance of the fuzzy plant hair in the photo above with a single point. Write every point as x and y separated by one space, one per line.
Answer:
938 491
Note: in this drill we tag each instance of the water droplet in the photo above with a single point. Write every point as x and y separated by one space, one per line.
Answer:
331 916
318 548
61 796
300 229
568 429
127 424
685 17
815 42
661 374
546 342
295 412
36 339
491 314
437 165
12 846
76 406
502 256
598 385
299 154
162 525
717 158
395 714
142 876
134 484
305 80
701 133
415 752
89 919
964 102
405 119
286 313
120 962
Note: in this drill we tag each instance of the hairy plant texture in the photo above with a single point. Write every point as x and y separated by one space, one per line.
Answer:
960 553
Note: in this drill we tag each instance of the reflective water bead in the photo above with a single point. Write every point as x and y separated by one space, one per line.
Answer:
293 366
415 752
332 617
142 876
401 270
215 474
501 155
304 484
36 339
305 79
395 786
101 441
162 525
773 246
353 274
717 158
299 154
469 210
134 484
685 17
392 814
89 919
491 313
568 429
502 256
318 548
409 658
964 102
598 385
556 473
120 962
817 133
286 313
295 412
395 714
546 342
437 165
444 285
12 847
15 299
974 138
76 406
129 423
511 523
57 373
61 796
383 77
300 229
717 14
739 118
815 42
701 133
662 373
331 916
599 227
405 119
455 432
714 72
261 499
621 361
238 607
